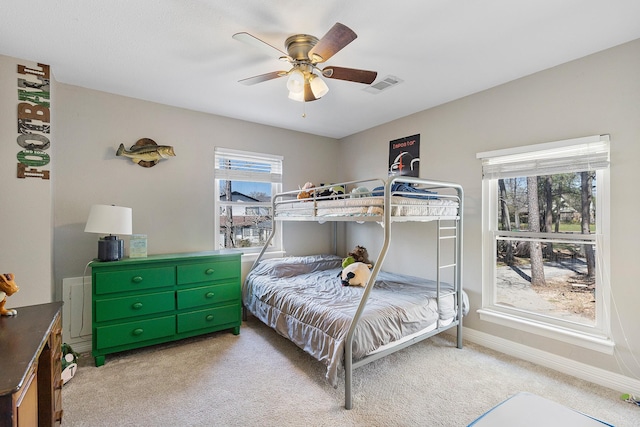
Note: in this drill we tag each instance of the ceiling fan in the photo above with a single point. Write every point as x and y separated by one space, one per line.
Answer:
304 52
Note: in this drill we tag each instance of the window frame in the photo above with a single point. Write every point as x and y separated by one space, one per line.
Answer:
596 337
274 177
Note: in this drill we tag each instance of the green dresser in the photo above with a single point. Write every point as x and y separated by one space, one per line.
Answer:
144 301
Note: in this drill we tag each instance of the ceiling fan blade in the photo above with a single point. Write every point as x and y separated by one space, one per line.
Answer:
265 47
336 38
350 74
262 78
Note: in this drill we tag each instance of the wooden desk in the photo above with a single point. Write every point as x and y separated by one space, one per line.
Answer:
30 369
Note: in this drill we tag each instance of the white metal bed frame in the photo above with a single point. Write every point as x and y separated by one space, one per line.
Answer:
444 231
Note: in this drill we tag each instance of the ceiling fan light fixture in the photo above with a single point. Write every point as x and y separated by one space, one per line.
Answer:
318 86
295 83
297 96
304 52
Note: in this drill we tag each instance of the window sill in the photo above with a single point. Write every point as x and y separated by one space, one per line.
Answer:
251 257
598 343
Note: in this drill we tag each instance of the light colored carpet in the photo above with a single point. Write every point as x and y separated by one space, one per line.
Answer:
261 379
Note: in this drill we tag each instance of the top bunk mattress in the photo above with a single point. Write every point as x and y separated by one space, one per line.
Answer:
368 206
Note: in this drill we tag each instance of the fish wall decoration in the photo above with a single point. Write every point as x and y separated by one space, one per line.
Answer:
146 153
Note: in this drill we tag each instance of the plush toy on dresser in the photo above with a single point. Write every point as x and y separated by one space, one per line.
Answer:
8 287
356 268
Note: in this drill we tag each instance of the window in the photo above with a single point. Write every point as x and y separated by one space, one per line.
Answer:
244 184
545 240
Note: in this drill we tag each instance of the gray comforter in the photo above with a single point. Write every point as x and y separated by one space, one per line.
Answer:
302 299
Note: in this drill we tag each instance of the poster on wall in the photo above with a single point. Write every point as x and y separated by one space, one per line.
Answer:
404 156
34 121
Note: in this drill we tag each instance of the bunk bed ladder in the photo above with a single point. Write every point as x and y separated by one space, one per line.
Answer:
446 232
452 232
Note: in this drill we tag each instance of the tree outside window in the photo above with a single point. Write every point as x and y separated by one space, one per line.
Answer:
545 236
553 276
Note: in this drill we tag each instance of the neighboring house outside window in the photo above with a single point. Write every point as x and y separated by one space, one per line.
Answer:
546 240
244 185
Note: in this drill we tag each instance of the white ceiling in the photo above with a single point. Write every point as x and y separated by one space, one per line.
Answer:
181 53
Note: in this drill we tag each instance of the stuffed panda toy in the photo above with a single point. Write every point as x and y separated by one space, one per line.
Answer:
356 274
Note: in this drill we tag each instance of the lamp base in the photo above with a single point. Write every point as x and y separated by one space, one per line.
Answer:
110 248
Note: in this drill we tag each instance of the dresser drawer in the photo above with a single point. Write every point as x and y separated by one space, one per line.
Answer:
129 280
207 271
136 305
133 332
208 295
208 318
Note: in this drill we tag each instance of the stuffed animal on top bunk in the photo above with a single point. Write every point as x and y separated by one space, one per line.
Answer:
8 287
306 192
360 192
356 268
330 191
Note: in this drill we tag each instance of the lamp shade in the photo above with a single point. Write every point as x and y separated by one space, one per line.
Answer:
109 219
297 96
295 83
318 86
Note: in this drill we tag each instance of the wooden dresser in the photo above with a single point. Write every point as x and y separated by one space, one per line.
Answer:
30 383
144 301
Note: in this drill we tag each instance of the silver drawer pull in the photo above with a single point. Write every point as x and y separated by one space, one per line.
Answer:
138 331
136 306
209 295
209 271
209 317
137 279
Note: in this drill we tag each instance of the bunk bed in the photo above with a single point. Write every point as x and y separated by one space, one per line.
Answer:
302 297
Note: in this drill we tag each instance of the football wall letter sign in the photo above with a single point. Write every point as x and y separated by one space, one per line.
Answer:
34 125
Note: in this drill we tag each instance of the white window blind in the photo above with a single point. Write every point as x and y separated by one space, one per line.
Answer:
236 165
572 155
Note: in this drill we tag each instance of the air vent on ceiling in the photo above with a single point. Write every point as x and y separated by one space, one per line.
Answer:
383 84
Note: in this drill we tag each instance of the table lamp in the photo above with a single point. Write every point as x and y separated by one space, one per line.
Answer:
111 220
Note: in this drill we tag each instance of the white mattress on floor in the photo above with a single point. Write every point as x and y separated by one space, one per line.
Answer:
529 410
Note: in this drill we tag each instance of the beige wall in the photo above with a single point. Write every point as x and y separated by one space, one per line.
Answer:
172 202
26 207
599 94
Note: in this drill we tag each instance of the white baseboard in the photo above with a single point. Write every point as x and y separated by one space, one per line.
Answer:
83 346
583 371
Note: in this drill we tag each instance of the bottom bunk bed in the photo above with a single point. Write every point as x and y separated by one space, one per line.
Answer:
303 299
